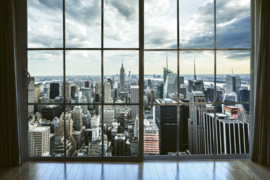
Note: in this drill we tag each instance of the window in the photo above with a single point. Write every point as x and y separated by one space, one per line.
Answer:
101 88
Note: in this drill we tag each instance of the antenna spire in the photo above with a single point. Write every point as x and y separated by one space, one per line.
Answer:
122 62
195 77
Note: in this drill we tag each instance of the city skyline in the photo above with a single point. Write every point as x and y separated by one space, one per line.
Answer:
83 66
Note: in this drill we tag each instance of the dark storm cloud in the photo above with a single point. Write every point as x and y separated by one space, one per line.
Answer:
200 42
234 35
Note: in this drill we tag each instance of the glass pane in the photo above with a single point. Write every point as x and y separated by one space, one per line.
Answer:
160 24
45 24
83 77
85 130
121 77
45 130
160 76
121 125
200 130
46 70
233 23
197 75
196 24
121 24
233 74
160 130
83 23
233 129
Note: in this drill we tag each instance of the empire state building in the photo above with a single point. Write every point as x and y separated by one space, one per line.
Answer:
122 78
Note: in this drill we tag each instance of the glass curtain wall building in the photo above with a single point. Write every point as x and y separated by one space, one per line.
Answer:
138 78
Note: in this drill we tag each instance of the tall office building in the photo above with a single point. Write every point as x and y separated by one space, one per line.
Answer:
122 78
245 97
152 96
181 80
77 118
67 91
165 118
195 84
195 122
78 95
54 90
134 98
97 88
46 90
86 84
73 90
108 116
170 85
39 141
87 93
107 94
233 84
149 83
37 93
160 91
84 107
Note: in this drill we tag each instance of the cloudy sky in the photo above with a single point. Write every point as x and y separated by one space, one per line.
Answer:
83 30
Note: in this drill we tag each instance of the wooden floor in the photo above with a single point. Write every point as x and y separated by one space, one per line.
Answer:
198 170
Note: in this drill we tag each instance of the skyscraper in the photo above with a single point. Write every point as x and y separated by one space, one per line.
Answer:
39 141
160 91
233 83
86 84
97 90
245 97
122 78
84 107
152 96
107 98
37 93
170 85
73 90
77 118
78 96
165 118
195 84
134 98
67 91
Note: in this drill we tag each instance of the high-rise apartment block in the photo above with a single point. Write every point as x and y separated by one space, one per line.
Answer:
150 139
39 141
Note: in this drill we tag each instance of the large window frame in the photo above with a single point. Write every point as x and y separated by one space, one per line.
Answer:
141 104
